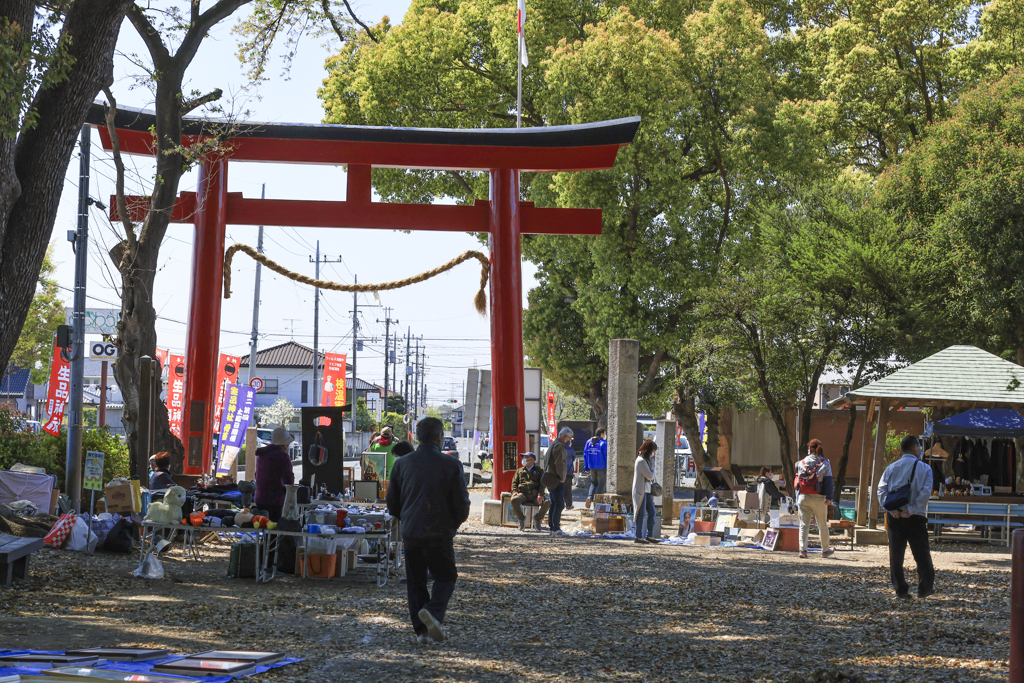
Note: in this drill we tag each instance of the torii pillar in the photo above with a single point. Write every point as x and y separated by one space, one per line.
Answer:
503 153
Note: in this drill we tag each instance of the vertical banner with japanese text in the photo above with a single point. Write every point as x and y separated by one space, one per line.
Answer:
234 421
59 389
333 393
227 372
551 414
175 392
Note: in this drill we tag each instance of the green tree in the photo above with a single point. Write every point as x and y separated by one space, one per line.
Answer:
960 193
699 76
958 196
364 421
823 262
396 404
35 345
397 423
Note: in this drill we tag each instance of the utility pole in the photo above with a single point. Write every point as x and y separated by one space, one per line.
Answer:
316 326
291 327
256 301
387 351
80 244
355 345
408 371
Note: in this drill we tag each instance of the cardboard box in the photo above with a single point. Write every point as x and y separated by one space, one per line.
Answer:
789 540
707 540
120 498
754 535
605 525
341 564
747 500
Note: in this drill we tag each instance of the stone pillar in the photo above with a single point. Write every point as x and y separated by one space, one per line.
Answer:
623 366
250 456
665 466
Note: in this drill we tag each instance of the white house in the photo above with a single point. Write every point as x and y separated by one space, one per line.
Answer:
287 371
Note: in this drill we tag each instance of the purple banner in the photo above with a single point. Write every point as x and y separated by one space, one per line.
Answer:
238 405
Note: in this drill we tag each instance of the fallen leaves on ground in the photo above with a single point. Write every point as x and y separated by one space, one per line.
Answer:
532 607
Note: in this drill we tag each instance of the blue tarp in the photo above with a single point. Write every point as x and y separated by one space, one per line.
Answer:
131 667
994 422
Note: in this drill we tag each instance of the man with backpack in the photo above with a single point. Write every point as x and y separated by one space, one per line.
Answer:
814 489
903 492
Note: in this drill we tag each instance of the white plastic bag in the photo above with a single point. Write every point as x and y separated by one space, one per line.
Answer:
151 568
81 537
321 546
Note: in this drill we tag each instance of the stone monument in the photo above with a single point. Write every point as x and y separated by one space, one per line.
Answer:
623 366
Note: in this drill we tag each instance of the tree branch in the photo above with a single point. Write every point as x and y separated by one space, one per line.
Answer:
351 13
652 374
150 36
462 183
201 26
190 105
115 146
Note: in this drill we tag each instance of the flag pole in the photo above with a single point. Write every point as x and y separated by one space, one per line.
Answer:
519 78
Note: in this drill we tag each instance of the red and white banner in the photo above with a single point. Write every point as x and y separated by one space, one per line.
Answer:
520 29
333 393
175 392
227 372
161 357
551 414
59 390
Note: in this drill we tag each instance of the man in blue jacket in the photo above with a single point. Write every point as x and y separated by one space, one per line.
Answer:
428 494
595 459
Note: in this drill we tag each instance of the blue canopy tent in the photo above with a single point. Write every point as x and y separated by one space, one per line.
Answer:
982 422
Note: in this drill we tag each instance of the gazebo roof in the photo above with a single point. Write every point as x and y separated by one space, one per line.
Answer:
962 377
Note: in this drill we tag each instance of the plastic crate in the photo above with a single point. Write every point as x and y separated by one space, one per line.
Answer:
848 514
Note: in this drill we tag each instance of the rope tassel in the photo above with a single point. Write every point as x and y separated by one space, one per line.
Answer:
480 300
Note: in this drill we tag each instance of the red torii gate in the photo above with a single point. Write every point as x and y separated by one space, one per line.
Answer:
501 152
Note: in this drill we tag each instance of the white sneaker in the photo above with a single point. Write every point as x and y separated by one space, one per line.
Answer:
434 627
422 639
558 532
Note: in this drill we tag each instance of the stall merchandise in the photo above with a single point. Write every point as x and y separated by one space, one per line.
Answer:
205 667
46 661
121 654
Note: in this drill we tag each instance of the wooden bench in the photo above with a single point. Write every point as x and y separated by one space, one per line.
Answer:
14 554
986 515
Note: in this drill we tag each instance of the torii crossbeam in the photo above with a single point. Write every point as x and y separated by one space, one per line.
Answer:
500 152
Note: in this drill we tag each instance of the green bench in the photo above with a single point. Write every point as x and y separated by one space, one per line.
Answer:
986 515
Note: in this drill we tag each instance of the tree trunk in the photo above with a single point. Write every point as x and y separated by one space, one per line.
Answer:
137 328
685 412
785 454
711 429
725 436
844 459
40 158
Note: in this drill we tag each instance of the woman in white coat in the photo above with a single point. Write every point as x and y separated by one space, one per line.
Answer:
643 501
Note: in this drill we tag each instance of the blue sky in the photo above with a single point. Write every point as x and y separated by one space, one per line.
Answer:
441 310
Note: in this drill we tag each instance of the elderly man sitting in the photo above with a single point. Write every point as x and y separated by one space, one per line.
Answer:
527 490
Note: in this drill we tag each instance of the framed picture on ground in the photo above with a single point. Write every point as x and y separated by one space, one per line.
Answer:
686 519
771 536
726 519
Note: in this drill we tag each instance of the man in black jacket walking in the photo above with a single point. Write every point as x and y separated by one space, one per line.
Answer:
428 494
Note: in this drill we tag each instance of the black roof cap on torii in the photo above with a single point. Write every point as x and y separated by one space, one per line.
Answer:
587 146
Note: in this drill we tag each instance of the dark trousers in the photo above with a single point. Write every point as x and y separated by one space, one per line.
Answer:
912 530
557 505
439 558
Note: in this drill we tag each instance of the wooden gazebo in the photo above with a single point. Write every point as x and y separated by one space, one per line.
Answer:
959 377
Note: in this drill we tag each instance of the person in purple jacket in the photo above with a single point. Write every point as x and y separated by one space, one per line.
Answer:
273 472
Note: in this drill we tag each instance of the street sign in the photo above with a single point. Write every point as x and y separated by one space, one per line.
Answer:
256 383
93 475
97 320
101 350
478 400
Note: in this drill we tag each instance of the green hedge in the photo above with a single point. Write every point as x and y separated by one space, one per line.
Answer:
50 452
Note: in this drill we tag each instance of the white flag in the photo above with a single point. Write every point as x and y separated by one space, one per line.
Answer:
521 19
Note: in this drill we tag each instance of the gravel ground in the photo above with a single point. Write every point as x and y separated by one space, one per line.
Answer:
530 607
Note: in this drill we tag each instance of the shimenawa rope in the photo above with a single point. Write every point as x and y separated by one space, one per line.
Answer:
480 301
